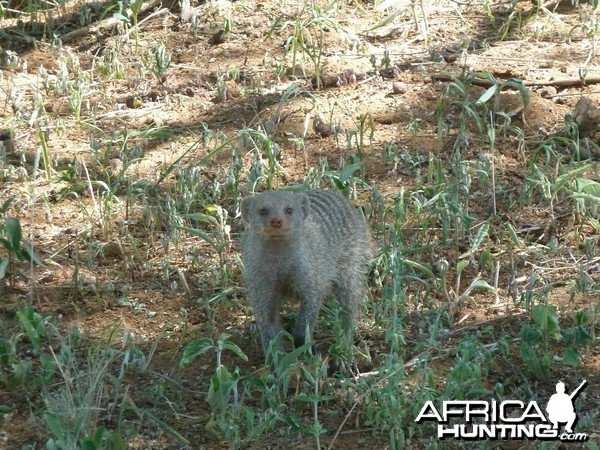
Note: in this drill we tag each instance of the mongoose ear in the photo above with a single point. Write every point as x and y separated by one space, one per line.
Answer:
246 206
305 205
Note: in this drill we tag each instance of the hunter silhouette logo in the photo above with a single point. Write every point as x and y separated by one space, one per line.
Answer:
560 407
506 419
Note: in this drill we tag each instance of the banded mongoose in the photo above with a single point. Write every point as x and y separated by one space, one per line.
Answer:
303 246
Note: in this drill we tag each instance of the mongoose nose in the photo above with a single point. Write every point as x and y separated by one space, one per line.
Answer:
276 223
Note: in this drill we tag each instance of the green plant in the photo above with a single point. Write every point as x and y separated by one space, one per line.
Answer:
74 83
100 439
414 125
457 96
306 40
454 295
577 337
562 181
514 20
73 391
586 194
110 65
467 377
129 16
536 350
589 26
106 178
78 404
34 325
395 271
223 394
45 155
136 7
399 8
263 169
344 179
314 372
365 122
11 238
20 371
159 60
385 403
219 238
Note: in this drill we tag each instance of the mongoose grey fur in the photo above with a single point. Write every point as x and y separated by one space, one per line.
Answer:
303 246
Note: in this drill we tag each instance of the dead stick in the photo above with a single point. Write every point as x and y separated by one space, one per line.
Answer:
104 24
565 82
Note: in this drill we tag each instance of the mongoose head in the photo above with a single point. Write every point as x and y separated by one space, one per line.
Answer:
275 214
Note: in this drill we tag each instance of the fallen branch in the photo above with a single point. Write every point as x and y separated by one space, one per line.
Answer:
104 24
565 82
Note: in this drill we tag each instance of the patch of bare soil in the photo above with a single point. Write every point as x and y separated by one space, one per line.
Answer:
385 84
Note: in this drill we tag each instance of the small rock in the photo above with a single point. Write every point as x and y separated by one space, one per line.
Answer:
112 250
324 129
115 166
399 88
219 37
7 143
133 102
346 77
588 149
587 116
232 90
548 91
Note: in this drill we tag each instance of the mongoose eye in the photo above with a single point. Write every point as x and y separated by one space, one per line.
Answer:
263 211
289 210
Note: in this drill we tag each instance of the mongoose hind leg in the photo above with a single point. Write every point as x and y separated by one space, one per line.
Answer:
350 292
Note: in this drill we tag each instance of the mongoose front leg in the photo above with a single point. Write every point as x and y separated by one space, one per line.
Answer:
309 311
265 304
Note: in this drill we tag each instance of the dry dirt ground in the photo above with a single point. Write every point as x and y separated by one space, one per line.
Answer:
391 78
